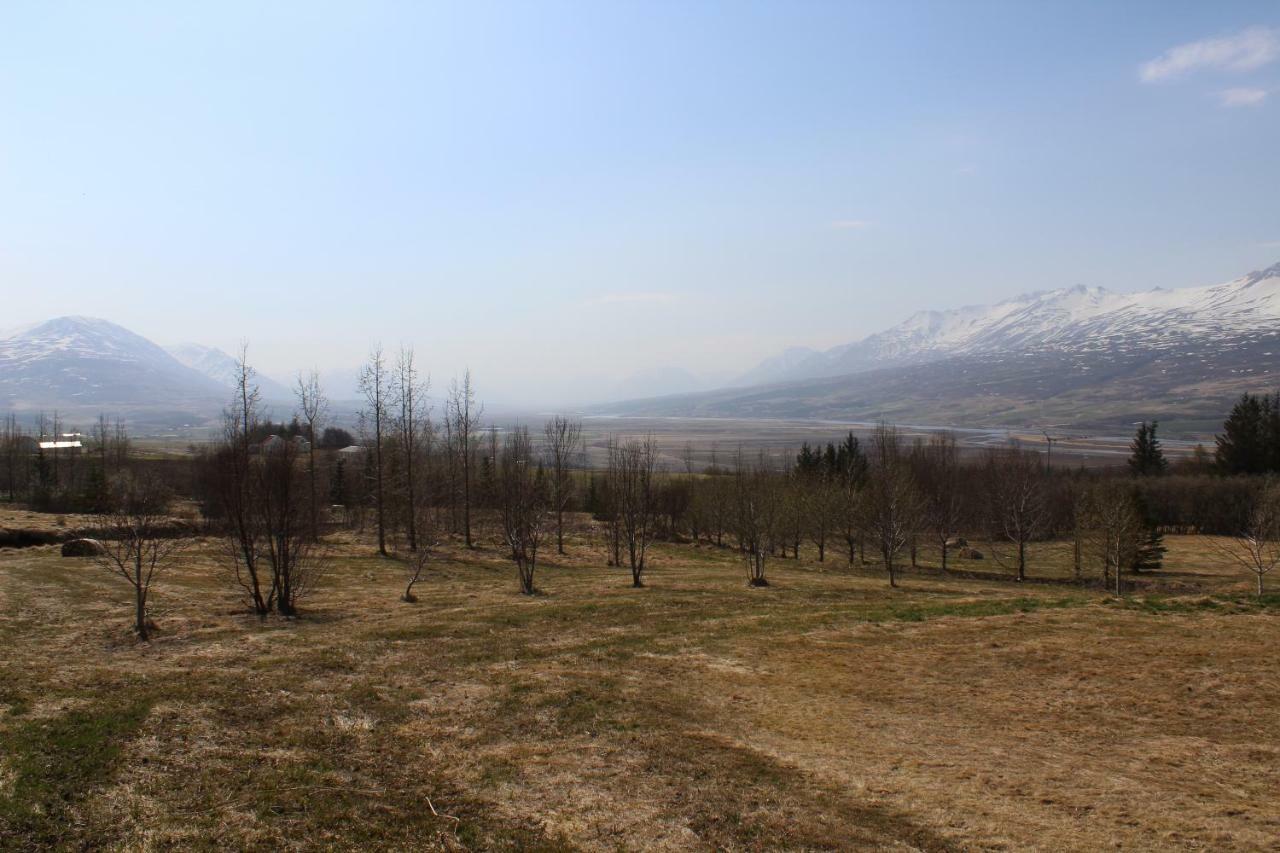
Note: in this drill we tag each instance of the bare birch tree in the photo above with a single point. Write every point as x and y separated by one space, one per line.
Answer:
757 494
236 489
416 562
1114 528
313 407
1256 547
522 504
1016 502
294 557
413 433
943 484
133 539
465 414
891 504
373 384
563 443
633 465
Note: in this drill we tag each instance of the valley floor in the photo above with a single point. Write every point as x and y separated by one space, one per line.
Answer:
826 711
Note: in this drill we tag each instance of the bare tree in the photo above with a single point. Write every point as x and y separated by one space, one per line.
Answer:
610 501
416 562
133 539
465 414
373 384
696 511
633 465
236 489
413 430
823 500
120 446
11 440
718 499
1114 527
522 504
794 518
1257 546
564 443
313 406
758 499
294 557
942 483
891 504
1016 502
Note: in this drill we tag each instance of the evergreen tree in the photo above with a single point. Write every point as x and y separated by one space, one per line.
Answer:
1149 550
851 462
1146 456
1243 444
807 461
1149 555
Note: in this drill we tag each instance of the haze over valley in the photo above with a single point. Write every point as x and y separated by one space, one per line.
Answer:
559 425
1078 358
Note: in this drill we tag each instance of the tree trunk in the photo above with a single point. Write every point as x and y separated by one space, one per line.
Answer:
944 555
315 506
1022 561
140 602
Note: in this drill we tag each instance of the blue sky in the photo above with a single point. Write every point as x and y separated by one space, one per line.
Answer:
562 194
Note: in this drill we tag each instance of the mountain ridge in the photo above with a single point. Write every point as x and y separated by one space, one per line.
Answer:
1077 316
1075 357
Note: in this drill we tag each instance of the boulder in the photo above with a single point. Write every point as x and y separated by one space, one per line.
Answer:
970 554
82 548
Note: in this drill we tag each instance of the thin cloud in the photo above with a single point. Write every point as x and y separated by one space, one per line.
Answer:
1242 97
1245 51
851 224
634 297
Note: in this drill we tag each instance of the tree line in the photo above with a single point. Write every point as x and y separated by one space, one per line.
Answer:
270 498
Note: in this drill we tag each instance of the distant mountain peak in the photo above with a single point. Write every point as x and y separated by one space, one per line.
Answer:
1079 316
87 361
1256 276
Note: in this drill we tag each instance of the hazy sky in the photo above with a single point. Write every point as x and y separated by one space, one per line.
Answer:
564 194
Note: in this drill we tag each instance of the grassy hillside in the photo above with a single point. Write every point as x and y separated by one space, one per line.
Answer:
826 711
1188 389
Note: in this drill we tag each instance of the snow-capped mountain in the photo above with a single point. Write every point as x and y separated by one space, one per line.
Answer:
84 361
1077 319
1077 357
221 368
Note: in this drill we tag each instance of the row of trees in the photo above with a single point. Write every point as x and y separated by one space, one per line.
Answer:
70 474
266 499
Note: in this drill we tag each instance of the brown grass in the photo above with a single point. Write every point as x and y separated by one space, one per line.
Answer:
826 711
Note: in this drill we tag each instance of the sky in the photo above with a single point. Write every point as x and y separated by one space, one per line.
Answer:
564 195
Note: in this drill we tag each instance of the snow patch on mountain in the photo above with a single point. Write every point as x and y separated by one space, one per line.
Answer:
1079 319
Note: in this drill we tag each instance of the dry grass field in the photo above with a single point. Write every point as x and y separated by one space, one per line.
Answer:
826 711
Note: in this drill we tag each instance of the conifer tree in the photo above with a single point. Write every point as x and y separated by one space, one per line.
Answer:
1243 444
1146 455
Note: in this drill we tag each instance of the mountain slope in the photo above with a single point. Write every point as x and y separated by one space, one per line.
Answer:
71 362
1079 356
1070 319
221 368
